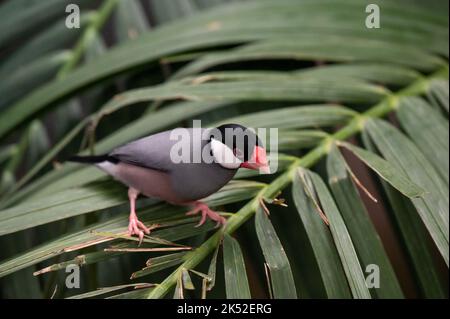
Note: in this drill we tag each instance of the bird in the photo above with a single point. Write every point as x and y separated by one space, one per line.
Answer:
181 166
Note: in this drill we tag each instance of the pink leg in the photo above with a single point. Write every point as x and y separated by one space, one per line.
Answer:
135 227
206 212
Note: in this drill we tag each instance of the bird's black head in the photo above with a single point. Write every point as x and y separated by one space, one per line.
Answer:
241 144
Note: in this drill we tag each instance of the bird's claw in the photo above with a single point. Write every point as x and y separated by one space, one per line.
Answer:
136 227
206 212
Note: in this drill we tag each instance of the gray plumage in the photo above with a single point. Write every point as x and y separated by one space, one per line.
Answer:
146 165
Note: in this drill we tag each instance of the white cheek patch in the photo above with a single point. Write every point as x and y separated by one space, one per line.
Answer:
224 155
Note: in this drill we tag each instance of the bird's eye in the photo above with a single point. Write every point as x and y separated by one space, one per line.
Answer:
211 152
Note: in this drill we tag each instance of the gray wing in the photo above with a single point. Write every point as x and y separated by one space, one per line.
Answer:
189 181
153 151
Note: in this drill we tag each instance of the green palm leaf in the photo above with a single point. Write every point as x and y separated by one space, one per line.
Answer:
234 267
311 69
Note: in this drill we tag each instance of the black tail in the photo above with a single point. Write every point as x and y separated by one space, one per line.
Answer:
92 159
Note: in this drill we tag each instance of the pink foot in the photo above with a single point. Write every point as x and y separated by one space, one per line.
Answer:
206 212
136 227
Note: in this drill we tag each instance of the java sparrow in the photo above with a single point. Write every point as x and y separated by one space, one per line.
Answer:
182 166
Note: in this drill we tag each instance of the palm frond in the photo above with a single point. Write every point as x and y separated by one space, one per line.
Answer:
338 92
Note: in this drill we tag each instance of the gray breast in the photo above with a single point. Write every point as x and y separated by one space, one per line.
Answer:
196 181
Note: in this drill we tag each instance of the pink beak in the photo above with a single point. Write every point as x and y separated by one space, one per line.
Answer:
258 161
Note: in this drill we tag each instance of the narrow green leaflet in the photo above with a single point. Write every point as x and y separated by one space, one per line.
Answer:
342 239
386 171
356 71
281 278
326 255
159 263
212 269
234 191
65 204
298 139
236 282
433 206
325 47
133 294
414 236
429 130
439 93
305 116
350 91
106 290
364 236
373 72
178 293
187 281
